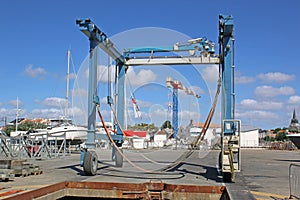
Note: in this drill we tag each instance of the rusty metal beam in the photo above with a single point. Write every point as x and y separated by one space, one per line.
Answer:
103 190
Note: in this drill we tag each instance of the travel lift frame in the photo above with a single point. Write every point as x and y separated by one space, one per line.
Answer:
230 156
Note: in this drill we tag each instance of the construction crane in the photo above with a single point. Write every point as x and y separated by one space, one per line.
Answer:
177 85
201 51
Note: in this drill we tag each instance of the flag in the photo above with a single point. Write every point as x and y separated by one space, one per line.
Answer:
136 109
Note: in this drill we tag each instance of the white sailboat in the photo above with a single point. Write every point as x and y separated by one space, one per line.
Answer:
61 129
64 128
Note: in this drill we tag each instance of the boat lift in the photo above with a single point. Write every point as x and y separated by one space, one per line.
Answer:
201 51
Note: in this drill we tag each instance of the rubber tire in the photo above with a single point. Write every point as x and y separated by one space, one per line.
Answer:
227 177
90 163
220 160
119 158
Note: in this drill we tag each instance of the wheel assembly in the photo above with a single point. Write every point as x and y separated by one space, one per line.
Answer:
90 163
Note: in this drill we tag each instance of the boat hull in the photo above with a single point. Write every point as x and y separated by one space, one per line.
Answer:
73 135
295 138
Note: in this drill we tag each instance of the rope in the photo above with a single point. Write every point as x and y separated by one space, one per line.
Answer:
209 117
200 137
114 144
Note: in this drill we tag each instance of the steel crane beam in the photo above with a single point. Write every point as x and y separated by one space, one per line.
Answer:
94 33
172 61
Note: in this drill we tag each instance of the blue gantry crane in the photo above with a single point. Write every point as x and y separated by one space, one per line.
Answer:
201 51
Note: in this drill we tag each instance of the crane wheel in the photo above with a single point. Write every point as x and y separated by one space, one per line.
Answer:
119 158
220 160
90 163
227 177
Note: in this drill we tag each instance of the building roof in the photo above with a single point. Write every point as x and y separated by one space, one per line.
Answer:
132 133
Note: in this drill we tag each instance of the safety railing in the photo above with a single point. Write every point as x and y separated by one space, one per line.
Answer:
294 181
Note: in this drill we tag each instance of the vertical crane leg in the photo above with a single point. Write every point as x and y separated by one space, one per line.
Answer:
89 156
120 115
230 159
230 152
99 38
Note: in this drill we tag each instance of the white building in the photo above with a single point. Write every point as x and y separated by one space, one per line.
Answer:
249 136
212 133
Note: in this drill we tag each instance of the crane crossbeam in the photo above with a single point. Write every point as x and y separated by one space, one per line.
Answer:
94 33
172 61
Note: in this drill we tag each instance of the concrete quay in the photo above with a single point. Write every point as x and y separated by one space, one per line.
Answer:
264 175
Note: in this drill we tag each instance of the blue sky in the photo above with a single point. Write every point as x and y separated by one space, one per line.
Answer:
35 36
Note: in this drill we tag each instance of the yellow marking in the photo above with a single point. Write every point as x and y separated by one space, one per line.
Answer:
265 194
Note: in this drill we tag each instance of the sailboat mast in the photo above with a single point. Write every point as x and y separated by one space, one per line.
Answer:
67 90
17 115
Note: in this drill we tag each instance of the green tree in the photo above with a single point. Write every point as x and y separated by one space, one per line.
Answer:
143 127
277 130
166 124
269 139
281 136
26 126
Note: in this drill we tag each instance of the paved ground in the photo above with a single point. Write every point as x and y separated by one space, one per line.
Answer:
264 173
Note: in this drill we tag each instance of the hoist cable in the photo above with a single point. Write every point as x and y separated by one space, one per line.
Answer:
118 149
185 155
200 137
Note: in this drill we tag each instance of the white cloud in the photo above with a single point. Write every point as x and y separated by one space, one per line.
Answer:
103 73
14 103
294 99
53 102
35 73
157 114
244 79
134 77
79 92
188 115
263 105
275 77
257 115
75 111
72 76
142 77
46 113
210 73
269 91
4 112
